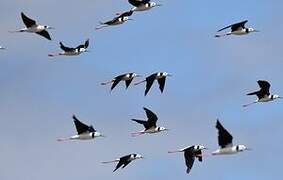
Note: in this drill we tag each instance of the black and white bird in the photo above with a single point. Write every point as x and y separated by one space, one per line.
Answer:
160 77
70 51
32 27
142 5
149 125
263 94
127 77
123 17
237 29
125 160
225 141
1 47
84 131
190 153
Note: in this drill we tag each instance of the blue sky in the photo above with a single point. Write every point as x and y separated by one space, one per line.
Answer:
210 79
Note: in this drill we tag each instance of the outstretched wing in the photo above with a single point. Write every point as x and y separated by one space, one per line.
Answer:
128 82
224 137
27 21
81 127
117 80
149 81
126 14
161 83
189 159
65 48
85 45
45 34
265 86
138 2
151 116
235 26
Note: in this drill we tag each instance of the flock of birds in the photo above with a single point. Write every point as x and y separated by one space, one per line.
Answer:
87 132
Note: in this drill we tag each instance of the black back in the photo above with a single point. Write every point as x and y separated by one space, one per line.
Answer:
126 14
236 26
151 119
81 127
27 21
138 2
264 89
225 139
117 79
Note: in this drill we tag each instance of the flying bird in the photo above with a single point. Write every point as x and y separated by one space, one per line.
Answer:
142 5
125 160
237 29
33 27
1 47
160 77
149 125
124 17
84 131
225 141
263 94
190 153
128 78
70 51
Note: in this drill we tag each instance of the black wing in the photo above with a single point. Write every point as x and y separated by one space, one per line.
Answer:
128 82
161 83
45 34
189 158
152 118
224 137
149 81
264 85
85 45
117 80
81 127
235 26
198 154
138 2
27 21
65 48
125 160
264 89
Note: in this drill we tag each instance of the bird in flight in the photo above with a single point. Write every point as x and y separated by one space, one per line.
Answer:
237 29
142 5
70 51
149 125
125 160
33 27
84 132
263 94
160 77
127 77
122 18
190 153
225 141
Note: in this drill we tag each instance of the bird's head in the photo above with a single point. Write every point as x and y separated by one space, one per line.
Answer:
252 30
48 27
162 129
126 18
137 75
242 148
138 156
275 96
154 4
98 134
199 147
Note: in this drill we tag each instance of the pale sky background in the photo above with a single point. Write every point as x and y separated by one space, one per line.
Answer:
211 77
